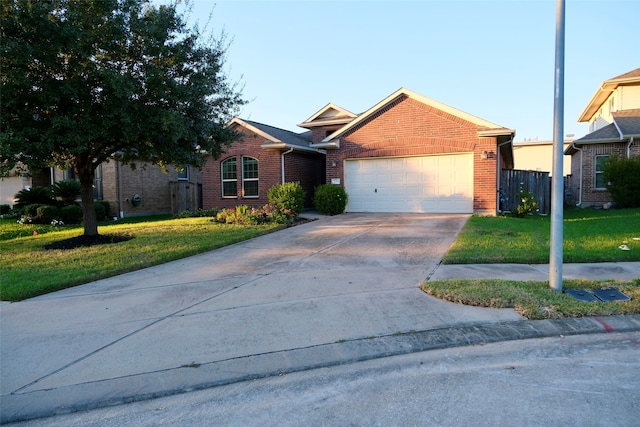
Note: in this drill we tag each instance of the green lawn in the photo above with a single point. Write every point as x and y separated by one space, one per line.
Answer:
28 270
589 236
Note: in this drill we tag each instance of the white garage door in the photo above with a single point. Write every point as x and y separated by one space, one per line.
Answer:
426 184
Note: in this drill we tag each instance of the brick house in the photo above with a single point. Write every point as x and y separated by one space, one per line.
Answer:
263 157
407 153
613 114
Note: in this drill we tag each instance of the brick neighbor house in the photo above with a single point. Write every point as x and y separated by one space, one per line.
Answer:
407 153
613 114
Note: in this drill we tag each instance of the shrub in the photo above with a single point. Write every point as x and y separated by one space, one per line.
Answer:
623 178
34 195
330 199
5 209
67 191
103 209
234 216
32 209
527 203
46 214
71 214
287 198
199 213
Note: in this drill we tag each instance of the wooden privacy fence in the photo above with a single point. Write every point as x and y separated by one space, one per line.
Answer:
185 196
536 183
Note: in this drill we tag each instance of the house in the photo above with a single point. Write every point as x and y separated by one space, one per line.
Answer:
407 153
146 190
537 155
613 114
263 157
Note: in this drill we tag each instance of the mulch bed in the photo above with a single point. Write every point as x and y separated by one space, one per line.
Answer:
84 241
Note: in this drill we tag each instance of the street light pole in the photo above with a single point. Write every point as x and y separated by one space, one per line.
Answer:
557 184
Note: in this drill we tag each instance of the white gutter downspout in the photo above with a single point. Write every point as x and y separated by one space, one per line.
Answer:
498 172
629 148
580 181
282 162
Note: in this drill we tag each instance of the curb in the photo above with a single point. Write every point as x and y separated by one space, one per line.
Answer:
116 391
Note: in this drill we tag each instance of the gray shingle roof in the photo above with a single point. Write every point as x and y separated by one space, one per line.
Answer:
288 137
628 121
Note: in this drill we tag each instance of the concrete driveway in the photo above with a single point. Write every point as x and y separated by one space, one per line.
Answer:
264 305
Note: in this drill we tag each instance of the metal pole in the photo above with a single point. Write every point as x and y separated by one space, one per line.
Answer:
557 184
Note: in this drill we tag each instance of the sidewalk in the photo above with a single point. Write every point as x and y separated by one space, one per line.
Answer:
537 272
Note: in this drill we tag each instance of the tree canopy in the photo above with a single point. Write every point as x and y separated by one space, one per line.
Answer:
85 81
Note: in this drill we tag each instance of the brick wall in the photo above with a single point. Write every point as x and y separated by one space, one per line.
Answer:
298 167
407 128
148 181
591 195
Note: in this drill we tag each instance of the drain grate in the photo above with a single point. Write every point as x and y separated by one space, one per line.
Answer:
581 295
610 295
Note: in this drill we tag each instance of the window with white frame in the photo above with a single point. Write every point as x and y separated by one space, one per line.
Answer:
229 177
249 177
600 162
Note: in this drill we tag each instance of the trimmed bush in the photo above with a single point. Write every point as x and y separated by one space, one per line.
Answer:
32 209
623 178
71 214
103 209
330 199
46 213
5 209
287 198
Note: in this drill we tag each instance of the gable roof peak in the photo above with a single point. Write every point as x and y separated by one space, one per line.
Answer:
606 88
330 114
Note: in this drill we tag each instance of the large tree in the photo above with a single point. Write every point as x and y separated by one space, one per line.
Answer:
86 81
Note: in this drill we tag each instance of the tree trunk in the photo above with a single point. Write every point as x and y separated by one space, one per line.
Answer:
89 219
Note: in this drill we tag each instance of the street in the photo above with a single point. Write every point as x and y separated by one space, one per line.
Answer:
591 379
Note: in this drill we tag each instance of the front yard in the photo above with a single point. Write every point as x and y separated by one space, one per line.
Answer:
589 236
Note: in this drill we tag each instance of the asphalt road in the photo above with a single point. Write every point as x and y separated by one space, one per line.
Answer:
584 380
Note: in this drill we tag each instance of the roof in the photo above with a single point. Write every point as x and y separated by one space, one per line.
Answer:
630 78
330 114
626 125
277 138
488 128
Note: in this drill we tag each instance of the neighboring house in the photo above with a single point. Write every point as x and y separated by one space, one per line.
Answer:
147 190
408 153
534 155
263 157
613 114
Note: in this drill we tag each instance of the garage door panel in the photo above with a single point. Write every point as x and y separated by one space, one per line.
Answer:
427 184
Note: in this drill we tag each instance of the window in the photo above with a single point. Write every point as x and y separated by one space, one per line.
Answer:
183 174
97 184
249 177
599 172
230 177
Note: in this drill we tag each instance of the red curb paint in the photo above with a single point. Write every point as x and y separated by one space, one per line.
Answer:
604 324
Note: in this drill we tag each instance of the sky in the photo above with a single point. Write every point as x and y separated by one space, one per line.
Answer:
492 59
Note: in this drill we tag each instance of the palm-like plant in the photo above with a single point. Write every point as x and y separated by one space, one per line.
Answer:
32 196
67 191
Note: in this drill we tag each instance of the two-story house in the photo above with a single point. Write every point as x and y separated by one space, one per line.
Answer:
613 114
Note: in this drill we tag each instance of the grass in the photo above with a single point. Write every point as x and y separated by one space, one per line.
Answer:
28 270
589 236
535 300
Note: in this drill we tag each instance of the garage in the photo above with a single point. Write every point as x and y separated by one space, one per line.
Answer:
422 184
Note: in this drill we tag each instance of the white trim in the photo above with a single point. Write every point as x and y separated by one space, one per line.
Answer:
420 98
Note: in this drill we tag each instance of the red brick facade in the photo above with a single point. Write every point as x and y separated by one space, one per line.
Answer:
584 192
307 168
407 127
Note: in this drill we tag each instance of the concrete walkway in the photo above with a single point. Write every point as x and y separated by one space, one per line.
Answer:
336 290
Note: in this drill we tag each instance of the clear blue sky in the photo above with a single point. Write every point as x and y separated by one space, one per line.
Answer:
492 59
